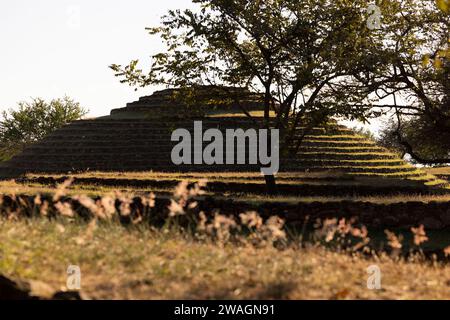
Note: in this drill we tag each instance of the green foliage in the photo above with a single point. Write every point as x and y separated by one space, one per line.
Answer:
312 57
430 141
364 132
33 120
413 77
305 56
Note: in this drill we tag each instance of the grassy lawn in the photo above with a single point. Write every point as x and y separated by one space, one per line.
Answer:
140 263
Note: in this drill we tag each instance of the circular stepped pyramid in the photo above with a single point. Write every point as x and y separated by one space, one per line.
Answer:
138 138
143 145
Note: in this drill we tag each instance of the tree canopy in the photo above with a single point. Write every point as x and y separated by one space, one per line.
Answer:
311 57
301 54
415 76
33 120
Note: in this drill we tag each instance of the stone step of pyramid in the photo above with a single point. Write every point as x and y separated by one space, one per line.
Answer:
50 148
164 125
345 149
234 122
111 130
303 189
336 144
86 125
162 140
158 157
153 159
155 125
346 156
354 163
143 144
128 163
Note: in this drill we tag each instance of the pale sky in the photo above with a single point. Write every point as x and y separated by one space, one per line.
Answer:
52 48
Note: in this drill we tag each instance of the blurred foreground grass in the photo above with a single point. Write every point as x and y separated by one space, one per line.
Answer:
145 263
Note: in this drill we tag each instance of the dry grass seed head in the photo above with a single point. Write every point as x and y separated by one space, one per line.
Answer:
125 201
108 204
274 226
420 235
64 209
360 232
175 208
148 200
344 227
393 241
201 225
447 251
61 189
251 219
221 227
37 200
43 210
328 229
181 191
87 202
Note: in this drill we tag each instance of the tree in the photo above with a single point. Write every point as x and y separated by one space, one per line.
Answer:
33 120
414 61
428 141
303 55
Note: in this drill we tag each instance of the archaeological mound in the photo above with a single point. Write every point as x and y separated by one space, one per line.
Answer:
138 138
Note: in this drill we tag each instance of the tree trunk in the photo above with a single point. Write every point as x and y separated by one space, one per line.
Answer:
271 184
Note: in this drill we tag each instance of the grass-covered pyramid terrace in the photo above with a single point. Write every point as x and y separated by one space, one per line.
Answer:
130 150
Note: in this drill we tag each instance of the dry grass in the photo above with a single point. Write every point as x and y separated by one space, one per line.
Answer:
11 187
287 180
356 137
181 175
252 198
194 256
441 172
344 167
438 170
389 154
144 264
325 174
341 142
358 162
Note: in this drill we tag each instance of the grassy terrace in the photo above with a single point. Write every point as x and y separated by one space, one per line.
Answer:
381 154
225 176
91 190
248 187
12 188
138 263
442 172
